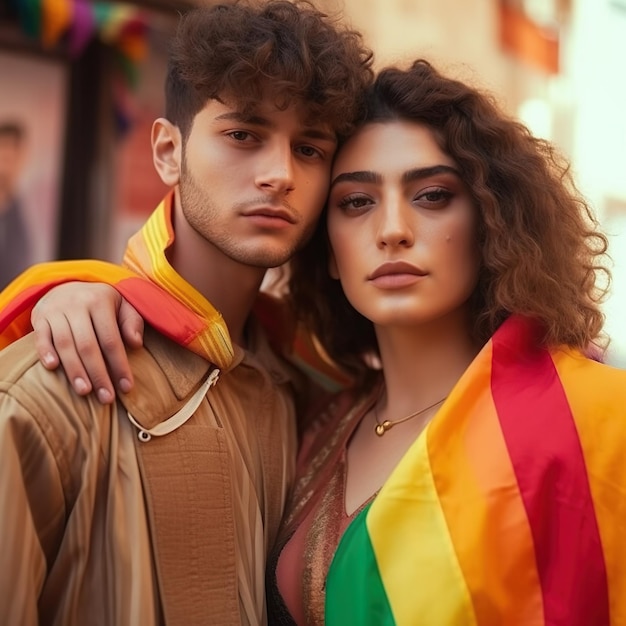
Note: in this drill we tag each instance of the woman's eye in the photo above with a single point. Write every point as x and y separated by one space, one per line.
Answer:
353 202
434 196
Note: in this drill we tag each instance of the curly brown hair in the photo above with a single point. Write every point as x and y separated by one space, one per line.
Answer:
541 250
238 49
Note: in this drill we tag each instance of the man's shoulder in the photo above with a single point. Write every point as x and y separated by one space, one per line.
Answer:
17 359
30 392
42 416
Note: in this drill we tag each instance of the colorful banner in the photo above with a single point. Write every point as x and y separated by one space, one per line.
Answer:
76 22
72 24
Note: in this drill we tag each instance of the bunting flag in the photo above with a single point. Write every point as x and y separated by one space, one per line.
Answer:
56 17
147 281
74 23
122 26
81 28
509 509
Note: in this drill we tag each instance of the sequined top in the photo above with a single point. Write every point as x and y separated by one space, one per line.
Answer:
317 511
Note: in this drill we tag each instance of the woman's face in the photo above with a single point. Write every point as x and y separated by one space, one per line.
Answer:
402 226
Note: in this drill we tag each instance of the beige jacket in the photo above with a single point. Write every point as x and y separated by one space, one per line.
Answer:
100 528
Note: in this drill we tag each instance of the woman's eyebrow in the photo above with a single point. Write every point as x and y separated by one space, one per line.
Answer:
357 177
367 176
424 172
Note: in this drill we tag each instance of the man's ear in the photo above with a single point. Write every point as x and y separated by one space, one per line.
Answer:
332 267
167 151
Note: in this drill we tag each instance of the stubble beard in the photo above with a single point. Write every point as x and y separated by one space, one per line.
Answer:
201 213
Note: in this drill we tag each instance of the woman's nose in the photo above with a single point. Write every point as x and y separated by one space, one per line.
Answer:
396 227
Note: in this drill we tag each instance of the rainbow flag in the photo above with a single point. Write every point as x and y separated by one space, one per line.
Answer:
509 509
147 281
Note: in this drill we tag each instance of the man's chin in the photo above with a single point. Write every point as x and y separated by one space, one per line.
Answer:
268 259
268 264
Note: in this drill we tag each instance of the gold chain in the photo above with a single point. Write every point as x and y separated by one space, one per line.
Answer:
382 427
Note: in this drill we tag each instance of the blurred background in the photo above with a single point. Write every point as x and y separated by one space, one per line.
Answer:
81 82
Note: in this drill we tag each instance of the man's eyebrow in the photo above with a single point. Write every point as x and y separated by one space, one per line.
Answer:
316 133
238 116
425 172
312 132
357 177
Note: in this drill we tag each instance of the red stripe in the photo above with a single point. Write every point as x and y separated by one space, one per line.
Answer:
161 309
548 461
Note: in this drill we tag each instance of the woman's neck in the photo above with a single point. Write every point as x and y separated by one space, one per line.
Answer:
422 364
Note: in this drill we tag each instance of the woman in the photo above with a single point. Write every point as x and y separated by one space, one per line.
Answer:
473 473
467 479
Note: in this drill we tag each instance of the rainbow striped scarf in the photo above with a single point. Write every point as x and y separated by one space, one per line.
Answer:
166 301
509 509
147 281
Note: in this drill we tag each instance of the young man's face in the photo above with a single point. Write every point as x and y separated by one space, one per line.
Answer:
253 186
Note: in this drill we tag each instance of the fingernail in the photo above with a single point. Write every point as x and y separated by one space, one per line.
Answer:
104 395
125 385
80 385
48 359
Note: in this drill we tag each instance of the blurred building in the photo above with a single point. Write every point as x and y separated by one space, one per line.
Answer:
554 63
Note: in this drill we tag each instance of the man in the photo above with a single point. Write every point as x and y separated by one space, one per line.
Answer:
15 247
159 507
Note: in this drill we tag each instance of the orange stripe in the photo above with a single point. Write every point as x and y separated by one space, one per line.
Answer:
482 504
599 420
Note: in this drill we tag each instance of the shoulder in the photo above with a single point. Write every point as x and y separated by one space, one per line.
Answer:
590 383
16 359
42 403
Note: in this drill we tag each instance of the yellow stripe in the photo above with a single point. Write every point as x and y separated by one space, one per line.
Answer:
597 396
406 519
146 255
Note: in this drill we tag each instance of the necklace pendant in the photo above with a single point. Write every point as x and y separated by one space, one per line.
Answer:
382 428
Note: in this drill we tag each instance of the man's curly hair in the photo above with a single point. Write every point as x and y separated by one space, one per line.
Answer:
242 48
541 249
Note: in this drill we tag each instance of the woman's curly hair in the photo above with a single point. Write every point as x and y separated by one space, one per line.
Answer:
239 49
541 250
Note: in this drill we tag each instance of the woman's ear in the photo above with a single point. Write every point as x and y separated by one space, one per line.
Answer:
167 151
332 267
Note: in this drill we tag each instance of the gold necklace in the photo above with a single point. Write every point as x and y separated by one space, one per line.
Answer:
382 427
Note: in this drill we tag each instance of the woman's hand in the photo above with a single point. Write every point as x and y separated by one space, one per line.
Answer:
85 328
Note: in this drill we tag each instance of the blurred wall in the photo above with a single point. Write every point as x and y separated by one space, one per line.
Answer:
595 67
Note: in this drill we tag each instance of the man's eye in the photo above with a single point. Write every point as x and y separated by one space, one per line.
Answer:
239 135
309 151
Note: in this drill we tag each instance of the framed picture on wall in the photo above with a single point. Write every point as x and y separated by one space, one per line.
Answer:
32 130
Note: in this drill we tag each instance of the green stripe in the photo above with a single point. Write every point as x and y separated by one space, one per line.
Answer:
354 589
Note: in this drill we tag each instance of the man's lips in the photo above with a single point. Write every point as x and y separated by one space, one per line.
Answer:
393 268
270 213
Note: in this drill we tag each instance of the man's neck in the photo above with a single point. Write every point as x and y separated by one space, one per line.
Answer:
229 286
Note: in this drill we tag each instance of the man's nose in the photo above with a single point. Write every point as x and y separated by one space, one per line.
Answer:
276 172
